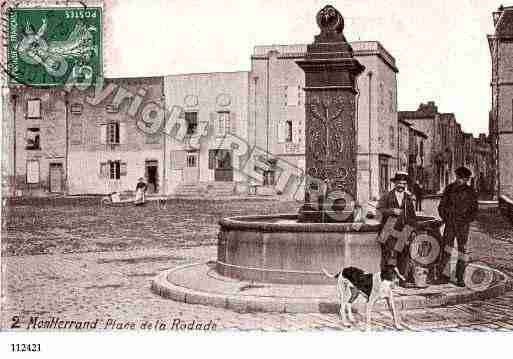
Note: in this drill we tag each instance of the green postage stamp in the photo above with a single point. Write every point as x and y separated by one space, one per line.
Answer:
51 47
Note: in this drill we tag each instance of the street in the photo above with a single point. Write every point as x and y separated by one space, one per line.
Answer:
81 262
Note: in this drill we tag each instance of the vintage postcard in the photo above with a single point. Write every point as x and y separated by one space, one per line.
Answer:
221 166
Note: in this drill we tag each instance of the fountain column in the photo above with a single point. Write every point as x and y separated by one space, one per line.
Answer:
331 72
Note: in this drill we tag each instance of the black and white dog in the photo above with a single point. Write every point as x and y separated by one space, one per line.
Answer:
351 282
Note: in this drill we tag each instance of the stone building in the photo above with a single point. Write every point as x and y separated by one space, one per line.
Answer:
198 156
36 147
266 108
84 142
442 148
481 165
278 104
109 141
501 129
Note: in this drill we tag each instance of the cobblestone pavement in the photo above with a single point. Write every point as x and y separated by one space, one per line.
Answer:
115 284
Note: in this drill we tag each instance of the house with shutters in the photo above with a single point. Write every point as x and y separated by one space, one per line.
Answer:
265 109
109 148
34 141
209 106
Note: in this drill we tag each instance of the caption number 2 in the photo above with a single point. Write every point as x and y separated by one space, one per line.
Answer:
15 322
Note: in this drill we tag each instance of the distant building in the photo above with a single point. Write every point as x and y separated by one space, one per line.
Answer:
443 147
410 145
501 124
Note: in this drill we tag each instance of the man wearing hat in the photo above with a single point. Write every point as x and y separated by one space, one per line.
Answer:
398 203
458 207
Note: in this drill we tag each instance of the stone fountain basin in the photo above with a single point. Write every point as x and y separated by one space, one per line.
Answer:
279 249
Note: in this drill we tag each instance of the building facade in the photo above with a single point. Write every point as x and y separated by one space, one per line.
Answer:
210 107
501 124
59 135
265 107
37 143
278 104
443 147
109 141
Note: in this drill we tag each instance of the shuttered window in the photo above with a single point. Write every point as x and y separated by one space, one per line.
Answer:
113 170
32 171
113 133
178 159
288 129
104 170
191 119
223 125
76 133
34 108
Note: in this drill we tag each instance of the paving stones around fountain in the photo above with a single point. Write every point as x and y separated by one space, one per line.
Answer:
200 284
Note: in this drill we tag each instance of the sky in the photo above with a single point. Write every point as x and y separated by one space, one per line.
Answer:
440 47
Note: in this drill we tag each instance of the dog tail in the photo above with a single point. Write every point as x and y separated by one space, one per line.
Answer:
328 274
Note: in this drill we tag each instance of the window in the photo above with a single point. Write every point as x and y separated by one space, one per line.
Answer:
112 108
191 119
33 140
269 178
401 138
191 161
383 174
392 136
223 123
288 127
391 102
285 131
32 172
34 108
76 108
76 133
113 133
114 169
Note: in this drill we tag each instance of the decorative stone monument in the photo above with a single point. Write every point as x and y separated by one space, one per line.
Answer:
330 72
294 248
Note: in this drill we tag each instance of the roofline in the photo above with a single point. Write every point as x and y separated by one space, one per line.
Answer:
381 52
134 78
208 73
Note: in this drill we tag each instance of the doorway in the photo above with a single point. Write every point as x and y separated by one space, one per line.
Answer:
152 171
222 164
56 180
191 170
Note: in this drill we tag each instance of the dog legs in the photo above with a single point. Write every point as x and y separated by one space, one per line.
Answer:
373 298
395 314
342 288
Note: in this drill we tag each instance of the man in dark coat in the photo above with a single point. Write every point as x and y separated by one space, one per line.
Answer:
458 207
418 192
396 204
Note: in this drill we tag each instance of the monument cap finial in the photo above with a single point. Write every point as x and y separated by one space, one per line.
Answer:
331 23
